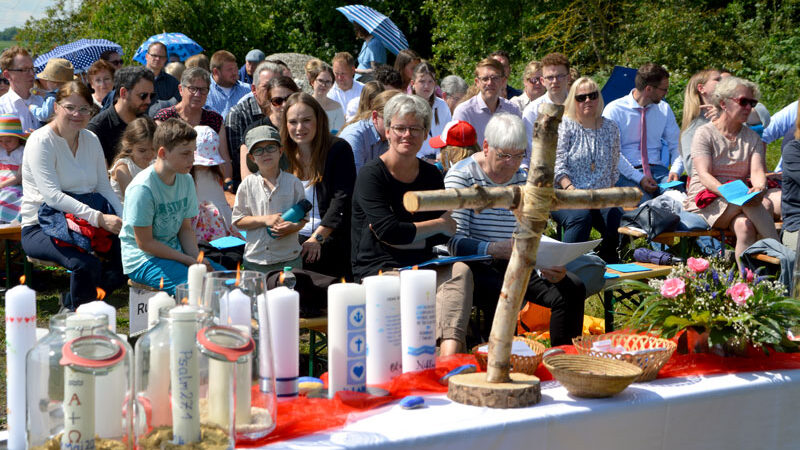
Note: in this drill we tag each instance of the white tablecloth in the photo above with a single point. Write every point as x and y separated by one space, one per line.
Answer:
750 411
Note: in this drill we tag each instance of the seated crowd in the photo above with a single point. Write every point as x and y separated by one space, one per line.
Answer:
134 178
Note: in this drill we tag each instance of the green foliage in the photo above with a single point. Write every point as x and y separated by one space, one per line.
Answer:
9 34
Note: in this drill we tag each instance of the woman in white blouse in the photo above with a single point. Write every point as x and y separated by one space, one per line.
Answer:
423 84
63 159
322 82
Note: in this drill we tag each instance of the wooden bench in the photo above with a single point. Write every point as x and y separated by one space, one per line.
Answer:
317 328
611 285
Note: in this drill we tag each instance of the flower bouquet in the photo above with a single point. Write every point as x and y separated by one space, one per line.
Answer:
734 309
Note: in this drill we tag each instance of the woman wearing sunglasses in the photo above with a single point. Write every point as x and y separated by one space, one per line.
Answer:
586 158
194 88
325 166
727 150
64 173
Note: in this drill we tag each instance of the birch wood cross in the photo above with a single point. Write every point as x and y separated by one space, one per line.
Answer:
532 204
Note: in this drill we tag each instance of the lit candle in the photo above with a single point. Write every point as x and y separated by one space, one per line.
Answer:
235 308
346 338
154 304
418 319
195 279
184 374
100 308
20 318
284 327
384 353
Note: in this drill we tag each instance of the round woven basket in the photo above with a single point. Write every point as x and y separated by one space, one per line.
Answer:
592 377
659 351
522 364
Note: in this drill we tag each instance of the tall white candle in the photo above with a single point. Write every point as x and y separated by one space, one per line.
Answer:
79 410
244 386
384 352
418 319
284 327
20 319
221 374
195 279
184 375
154 304
346 338
235 308
159 379
101 308
265 360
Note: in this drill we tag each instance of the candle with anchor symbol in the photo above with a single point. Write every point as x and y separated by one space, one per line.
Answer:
347 338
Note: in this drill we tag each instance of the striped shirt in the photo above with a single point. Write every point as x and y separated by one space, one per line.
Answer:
475 230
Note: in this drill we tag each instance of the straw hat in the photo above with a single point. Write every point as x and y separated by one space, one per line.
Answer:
59 70
207 151
11 126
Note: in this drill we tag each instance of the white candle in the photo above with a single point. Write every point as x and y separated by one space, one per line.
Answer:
265 360
159 379
20 318
101 308
384 353
195 279
154 304
346 338
418 319
244 386
79 412
184 375
284 327
235 308
220 382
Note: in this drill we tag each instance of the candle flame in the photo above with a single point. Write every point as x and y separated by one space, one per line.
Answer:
238 273
415 268
185 301
101 294
22 279
343 280
380 272
161 284
281 278
200 257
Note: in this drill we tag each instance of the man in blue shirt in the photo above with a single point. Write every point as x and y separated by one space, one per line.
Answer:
642 113
251 60
226 89
367 137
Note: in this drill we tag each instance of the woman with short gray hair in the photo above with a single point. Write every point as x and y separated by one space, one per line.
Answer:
727 150
194 87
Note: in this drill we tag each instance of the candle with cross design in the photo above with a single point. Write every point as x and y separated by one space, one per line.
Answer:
347 338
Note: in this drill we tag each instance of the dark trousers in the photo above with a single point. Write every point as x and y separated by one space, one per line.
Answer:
565 298
88 271
578 223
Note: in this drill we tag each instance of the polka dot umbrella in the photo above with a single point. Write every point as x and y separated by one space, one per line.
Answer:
81 53
177 44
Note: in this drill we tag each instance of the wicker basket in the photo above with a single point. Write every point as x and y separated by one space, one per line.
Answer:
650 362
592 377
523 364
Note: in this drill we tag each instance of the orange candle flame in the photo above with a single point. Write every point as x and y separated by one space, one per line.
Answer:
22 279
161 285
200 257
343 280
238 273
380 272
281 277
184 301
101 294
415 268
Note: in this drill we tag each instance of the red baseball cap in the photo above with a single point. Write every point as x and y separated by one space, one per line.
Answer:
457 133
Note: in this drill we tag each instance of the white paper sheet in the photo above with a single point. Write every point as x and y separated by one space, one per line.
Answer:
555 253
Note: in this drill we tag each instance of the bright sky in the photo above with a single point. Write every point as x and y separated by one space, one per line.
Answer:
16 12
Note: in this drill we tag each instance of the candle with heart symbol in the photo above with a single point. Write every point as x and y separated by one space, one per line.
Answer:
347 338
20 318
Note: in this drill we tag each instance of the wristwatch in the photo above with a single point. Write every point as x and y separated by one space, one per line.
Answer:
318 237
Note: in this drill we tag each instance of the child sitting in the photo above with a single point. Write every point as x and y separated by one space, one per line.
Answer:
136 153
214 218
56 73
11 146
158 240
262 198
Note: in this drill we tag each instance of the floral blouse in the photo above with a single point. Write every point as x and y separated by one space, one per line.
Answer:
589 157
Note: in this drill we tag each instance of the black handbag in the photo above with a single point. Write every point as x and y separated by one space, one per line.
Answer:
652 220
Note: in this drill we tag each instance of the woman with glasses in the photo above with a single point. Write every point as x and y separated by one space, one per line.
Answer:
101 80
727 150
586 158
64 174
533 87
325 166
194 88
321 79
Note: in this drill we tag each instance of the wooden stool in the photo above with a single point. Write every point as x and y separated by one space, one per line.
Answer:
317 327
138 296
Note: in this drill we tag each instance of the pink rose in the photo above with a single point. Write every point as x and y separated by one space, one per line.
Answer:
749 275
697 264
673 287
740 292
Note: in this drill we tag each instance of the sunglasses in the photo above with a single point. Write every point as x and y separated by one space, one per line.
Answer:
580 98
744 102
278 101
144 95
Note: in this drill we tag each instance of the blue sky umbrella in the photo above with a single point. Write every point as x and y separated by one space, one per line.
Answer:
177 44
81 53
377 25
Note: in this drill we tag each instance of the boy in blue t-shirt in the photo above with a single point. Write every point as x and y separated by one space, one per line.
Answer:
157 237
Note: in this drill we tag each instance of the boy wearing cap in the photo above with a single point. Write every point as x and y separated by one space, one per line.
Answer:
11 146
158 239
56 73
262 198
458 141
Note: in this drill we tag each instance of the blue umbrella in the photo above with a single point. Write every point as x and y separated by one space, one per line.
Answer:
377 25
177 44
81 53
619 84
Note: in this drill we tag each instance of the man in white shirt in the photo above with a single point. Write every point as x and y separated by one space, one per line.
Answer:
555 78
346 88
646 125
17 66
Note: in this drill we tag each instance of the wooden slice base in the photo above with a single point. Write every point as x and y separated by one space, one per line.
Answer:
473 389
